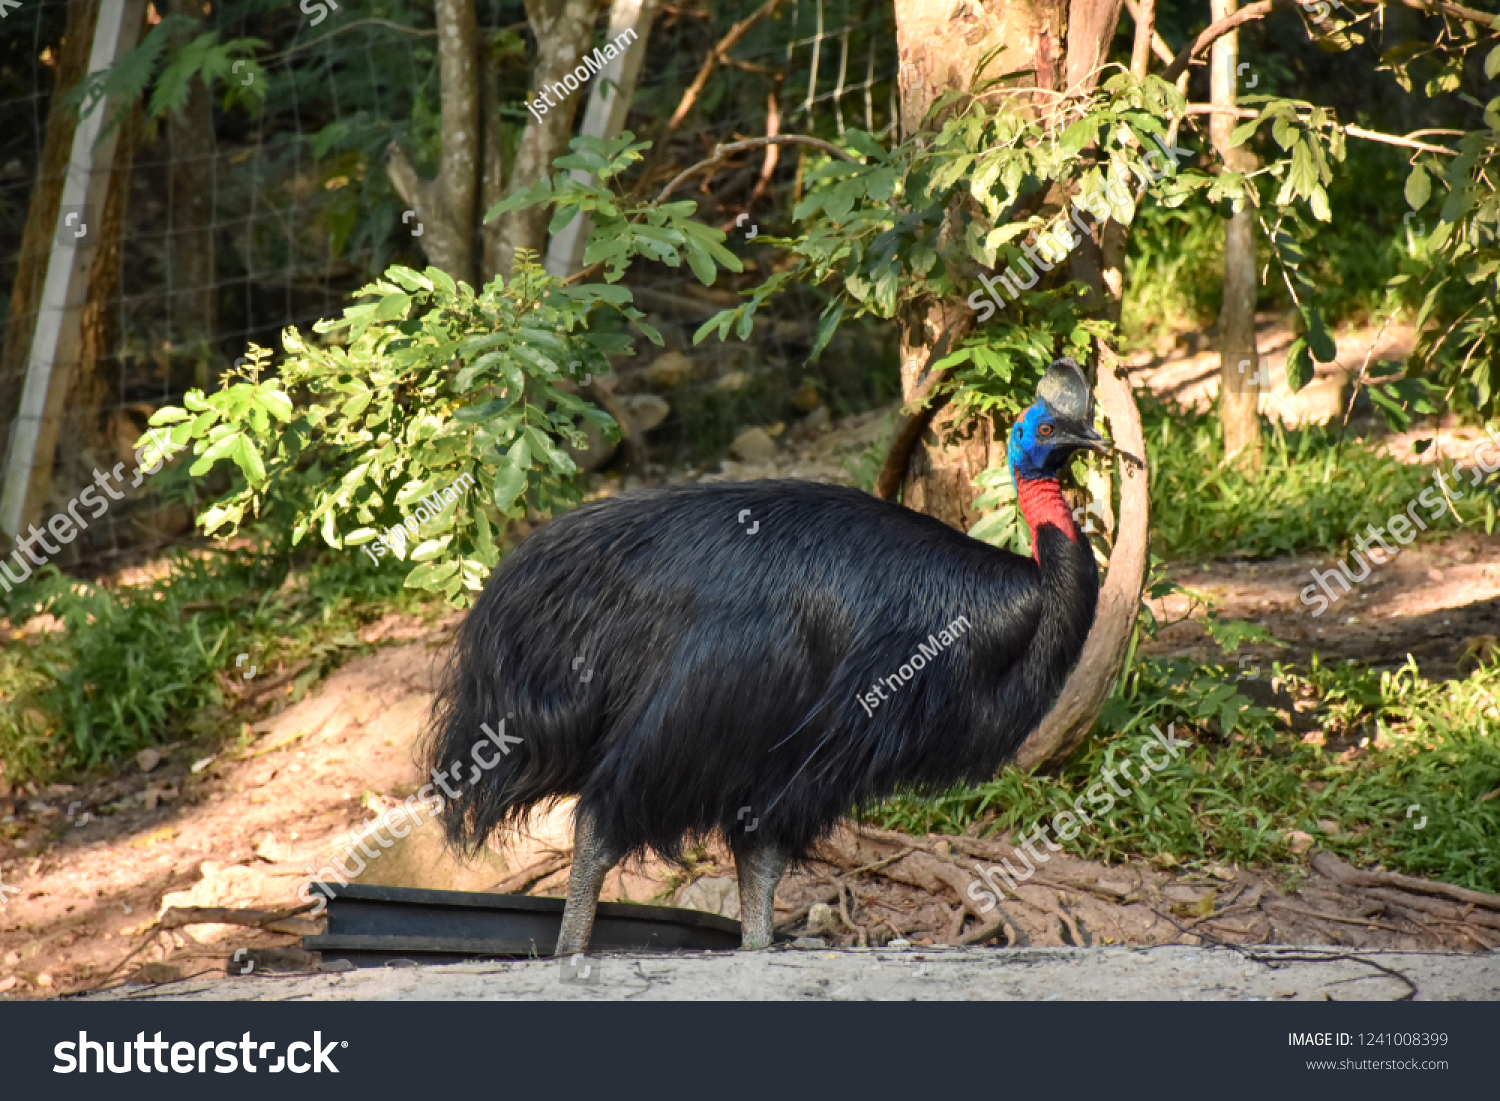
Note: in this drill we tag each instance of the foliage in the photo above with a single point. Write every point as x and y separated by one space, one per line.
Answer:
921 219
169 73
1464 337
1249 781
664 232
433 382
135 666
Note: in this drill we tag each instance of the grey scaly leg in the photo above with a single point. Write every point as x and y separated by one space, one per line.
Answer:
591 863
760 870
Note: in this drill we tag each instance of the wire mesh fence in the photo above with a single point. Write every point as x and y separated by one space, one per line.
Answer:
260 201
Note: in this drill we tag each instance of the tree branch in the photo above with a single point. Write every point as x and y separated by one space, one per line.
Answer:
1218 30
1144 15
1440 7
911 425
722 152
1262 8
1391 139
1159 45
715 57
1407 142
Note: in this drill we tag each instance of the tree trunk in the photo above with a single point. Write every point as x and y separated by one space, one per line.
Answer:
939 479
564 30
608 102
448 206
1239 363
81 384
41 213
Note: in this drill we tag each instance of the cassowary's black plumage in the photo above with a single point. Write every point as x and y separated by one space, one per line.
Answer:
673 657
725 669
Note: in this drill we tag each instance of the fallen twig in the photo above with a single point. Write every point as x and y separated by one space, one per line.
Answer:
279 921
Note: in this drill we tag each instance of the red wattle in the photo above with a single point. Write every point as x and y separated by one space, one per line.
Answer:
1042 502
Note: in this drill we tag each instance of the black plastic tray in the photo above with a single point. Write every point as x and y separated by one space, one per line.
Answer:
377 926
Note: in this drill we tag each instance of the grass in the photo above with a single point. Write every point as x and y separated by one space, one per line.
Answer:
1306 498
140 665
1250 780
1174 272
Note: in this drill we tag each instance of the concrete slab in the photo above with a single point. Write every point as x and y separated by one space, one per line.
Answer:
921 974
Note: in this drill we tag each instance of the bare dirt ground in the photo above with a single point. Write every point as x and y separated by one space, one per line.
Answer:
92 872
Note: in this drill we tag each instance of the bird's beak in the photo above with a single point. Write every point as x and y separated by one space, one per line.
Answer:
1086 439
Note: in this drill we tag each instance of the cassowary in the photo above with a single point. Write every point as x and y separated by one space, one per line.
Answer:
756 660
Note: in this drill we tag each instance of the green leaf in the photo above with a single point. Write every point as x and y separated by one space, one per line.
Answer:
1241 133
1418 188
1318 203
1304 172
249 461
1075 137
275 402
1299 365
392 307
431 549
1319 341
863 144
430 575
213 453
218 516
1285 132
509 482
330 528
702 263
828 325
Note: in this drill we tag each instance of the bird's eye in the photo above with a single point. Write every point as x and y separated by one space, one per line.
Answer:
1044 430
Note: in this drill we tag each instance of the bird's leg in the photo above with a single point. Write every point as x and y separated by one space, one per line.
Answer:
760 870
592 861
